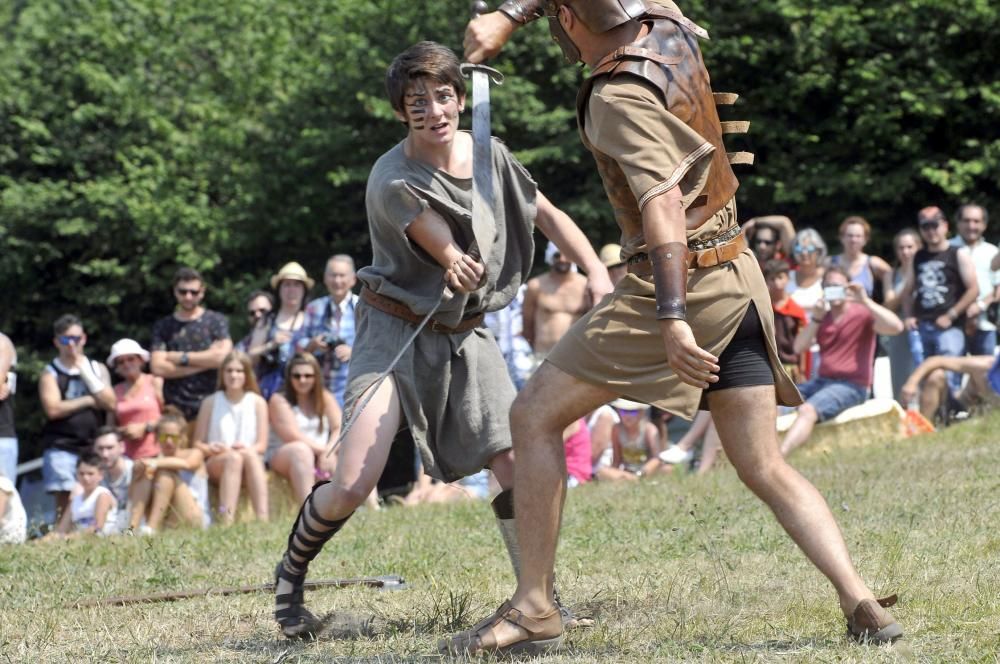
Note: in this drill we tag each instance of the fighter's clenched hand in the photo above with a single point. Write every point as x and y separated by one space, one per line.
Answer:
465 274
692 364
485 36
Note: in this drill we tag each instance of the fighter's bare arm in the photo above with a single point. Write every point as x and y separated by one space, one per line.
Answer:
431 233
573 244
663 223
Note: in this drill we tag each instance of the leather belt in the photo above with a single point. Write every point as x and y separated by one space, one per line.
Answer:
399 310
708 257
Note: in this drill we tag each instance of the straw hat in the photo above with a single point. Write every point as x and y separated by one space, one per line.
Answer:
292 272
611 255
127 347
625 404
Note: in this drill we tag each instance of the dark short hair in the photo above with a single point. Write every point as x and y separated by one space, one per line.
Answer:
423 59
186 274
961 211
90 458
259 293
836 269
931 213
65 322
776 266
105 430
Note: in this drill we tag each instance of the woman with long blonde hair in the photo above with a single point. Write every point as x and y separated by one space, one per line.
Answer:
231 431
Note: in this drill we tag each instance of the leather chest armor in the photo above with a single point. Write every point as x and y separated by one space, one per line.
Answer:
668 58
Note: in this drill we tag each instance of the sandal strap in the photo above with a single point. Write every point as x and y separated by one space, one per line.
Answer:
886 602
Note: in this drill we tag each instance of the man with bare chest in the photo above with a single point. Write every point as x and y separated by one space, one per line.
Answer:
553 301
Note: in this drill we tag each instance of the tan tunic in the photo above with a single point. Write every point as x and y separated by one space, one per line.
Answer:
618 345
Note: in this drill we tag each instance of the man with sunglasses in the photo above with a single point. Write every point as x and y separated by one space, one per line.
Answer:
189 345
76 395
939 291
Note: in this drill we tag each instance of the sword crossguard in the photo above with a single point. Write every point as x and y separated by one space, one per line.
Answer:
468 69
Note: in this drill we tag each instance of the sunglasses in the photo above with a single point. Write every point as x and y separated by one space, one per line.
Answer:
187 291
254 313
799 249
303 376
70 339
126 359
766 243
169 438
929 225
629 411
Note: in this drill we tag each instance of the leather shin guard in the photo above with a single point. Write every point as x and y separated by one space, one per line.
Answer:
503 510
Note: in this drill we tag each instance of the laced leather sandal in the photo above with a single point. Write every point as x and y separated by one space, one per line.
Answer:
871 623
295 620
545 635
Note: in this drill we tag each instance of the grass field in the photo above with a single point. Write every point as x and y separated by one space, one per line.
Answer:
680 569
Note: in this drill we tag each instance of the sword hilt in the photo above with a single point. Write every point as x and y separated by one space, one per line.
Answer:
478 7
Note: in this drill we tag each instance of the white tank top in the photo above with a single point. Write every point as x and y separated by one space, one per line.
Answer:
83 509
309 426
232 422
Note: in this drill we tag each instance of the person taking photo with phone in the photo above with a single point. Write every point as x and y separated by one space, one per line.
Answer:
845 323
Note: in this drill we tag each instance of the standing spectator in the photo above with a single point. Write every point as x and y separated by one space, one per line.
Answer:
8 387
13 520
117 470
789 318
783 236
870 271
507 326
76 395
271 353
231 432
328 332
906 351
764 243
189 345
553 301
92 509
259 305
138 399
611 256
939 291
175 480
305 423
980 334
805 282
845 323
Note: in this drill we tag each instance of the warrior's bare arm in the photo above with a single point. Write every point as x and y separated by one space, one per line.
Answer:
431 233
573 244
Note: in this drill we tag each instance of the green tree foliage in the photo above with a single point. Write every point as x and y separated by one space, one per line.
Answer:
136 135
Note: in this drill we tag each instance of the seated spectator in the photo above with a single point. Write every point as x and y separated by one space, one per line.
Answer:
271 348
930 379
776 242
305 423
76 396
873 273
939 290
635 443
789 318
117 470
138 399
428 490
906 351
601 422
175 480
231 431
13 520
259 306
576 442
844 323
92 508
703 429
8 387
611 256
805 282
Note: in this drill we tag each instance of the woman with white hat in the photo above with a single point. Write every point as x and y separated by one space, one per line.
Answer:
270 345
140 399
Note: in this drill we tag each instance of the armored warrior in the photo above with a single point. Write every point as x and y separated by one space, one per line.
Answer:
689 327
450 388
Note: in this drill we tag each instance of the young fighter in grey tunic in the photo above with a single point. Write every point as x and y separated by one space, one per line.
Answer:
451 387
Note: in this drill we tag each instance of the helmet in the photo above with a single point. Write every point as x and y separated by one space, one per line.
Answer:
598 15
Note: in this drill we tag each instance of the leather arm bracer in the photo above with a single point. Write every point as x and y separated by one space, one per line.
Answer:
670 266
522 11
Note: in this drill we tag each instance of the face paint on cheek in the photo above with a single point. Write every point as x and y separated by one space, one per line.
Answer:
418 117
416 108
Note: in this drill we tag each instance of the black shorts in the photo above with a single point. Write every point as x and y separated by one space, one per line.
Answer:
745 361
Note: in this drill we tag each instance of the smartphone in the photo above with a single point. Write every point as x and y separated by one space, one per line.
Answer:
834 293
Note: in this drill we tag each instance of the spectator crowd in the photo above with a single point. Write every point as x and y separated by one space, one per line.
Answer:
176 433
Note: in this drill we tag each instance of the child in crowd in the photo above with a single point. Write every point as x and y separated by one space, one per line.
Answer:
636 445
92 507
117 469
13 521
174 480
789 317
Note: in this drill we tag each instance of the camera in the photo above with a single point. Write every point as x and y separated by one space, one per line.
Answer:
332 341
834 293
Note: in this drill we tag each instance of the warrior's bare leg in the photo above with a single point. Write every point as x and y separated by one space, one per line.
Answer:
746 429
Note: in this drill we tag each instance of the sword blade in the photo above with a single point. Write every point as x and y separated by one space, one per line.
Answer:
483 226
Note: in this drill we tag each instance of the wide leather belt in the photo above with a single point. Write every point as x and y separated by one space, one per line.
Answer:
400 310
709 257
